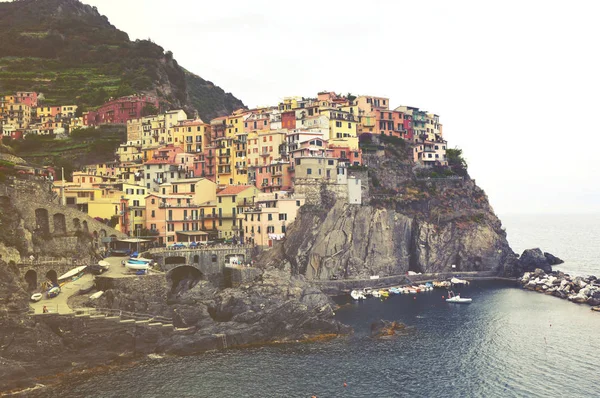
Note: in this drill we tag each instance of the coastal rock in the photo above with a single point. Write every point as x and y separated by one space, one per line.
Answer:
593 301
552 260
384 329
533 259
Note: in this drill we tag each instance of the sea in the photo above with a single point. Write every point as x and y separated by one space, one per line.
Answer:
508 343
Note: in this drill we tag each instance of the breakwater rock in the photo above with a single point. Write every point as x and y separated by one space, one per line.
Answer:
385 329
581 290
529 261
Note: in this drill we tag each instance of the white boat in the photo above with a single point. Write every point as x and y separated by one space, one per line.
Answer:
53 292
455 298
36 297
456 281
140 259
72 273
357 295
96 295
376 293
137 266
104 264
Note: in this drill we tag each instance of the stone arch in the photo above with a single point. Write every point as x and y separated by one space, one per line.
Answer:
52 276
85 227
60 225
196 259
183 278
76 224
31 280
41 220
175 260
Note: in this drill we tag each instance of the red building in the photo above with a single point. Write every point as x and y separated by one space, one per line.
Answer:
120 110
288 120
354 157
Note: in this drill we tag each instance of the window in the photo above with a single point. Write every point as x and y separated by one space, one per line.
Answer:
152 201
330 162
349 125
338 124
220 199
153 227
308 171
269 217
153 214
283 217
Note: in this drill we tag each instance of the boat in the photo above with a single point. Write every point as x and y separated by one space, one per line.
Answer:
137 266
140 260
368 292
357 295
458 282
395 290
104 264
441 284
376 293
96 295
35 297
53 292
72 272
87 288
455 298
384 293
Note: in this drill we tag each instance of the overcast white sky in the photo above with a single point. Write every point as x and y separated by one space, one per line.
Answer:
515 83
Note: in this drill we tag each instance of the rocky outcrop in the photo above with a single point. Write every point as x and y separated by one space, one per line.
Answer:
386 329
529 261
348 241
581 290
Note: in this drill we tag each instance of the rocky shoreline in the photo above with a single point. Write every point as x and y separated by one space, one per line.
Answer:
580 290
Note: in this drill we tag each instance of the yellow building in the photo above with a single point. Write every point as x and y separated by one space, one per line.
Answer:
231 203
192 135
131 151
18 116
343 127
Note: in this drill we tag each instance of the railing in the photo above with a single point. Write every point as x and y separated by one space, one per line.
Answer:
200 247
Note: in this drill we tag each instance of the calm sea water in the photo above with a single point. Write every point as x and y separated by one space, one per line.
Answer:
507 343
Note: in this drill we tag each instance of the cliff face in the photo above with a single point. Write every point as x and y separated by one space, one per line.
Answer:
408 224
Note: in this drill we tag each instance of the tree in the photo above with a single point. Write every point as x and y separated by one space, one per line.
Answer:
149 110
455 159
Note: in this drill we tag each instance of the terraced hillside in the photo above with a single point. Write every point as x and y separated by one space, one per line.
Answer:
72 54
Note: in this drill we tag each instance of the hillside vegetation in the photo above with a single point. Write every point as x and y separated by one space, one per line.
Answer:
72 54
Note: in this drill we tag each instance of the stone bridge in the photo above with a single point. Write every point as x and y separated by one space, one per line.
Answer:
210 261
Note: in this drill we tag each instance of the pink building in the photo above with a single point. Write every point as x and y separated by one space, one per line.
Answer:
271 178
345 154
120 110
27 98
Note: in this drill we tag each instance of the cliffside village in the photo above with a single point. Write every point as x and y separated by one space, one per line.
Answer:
240 178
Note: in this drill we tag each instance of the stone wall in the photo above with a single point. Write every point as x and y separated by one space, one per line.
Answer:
316 191
236 276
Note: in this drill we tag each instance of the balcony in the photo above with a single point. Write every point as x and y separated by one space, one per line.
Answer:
223 162
265 154
179 205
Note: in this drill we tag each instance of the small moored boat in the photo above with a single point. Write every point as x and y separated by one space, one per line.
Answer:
455 298
35 297
96 295
357 295
72 272
86 288
104 264
53 292
137 266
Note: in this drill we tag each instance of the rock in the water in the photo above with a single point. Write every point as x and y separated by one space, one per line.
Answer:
552 260
532 259
382 328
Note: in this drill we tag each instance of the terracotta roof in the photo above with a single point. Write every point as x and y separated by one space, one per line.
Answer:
234 190
156 161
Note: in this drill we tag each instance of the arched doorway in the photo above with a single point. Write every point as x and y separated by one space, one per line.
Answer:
183 278
41 219
60 225
196 259
52 277
31 280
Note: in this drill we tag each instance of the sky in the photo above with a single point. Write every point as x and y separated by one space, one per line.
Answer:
516 83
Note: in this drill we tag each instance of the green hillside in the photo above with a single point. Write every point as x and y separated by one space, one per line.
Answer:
72 54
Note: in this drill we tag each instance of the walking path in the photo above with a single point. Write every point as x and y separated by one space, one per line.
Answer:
58 304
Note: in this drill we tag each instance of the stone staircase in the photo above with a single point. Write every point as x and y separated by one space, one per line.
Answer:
107 317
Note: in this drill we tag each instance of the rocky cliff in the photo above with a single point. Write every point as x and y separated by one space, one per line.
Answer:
408 224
